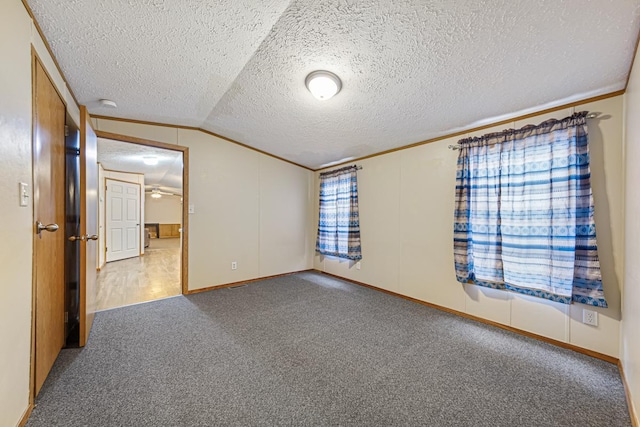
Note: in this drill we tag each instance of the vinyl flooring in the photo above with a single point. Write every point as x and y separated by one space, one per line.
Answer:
150 277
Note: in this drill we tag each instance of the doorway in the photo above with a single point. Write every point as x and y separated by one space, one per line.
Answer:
157 174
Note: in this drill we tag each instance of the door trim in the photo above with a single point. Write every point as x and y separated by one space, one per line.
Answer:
32 364
185 193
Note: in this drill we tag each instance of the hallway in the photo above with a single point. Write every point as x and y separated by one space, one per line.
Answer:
153 276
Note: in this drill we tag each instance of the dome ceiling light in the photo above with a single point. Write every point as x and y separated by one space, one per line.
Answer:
150 160
107 103
323 84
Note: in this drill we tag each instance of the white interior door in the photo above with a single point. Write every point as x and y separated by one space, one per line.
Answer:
123 220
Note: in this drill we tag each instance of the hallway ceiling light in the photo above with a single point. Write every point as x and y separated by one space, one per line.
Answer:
323 84
155 194
108 103
150 160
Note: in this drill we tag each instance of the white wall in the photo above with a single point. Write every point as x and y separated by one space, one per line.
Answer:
165 210
16 36
406 219
249 207
630 342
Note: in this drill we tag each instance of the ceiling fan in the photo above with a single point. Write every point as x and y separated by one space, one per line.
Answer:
156 193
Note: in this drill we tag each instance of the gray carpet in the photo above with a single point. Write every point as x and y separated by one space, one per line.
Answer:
306 350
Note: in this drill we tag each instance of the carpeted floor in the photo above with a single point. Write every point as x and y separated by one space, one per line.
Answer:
307 350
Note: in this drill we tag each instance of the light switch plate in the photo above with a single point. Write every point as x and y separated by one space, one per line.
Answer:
23 193
192 208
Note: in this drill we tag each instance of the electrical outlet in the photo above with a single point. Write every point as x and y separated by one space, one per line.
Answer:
358 265
590 317
234 265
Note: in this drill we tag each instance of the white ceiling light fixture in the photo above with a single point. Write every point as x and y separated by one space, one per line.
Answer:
108 103
323 84
155 194
150 160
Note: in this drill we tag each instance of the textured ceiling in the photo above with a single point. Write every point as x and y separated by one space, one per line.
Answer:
411 69
167 61
126 157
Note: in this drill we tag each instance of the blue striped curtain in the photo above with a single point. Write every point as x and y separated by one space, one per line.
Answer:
524 213
339 221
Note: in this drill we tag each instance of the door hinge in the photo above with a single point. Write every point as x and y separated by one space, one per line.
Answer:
66 130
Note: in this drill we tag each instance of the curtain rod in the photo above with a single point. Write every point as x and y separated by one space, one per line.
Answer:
358 167
457 147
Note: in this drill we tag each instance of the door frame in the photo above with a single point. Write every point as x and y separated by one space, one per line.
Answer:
184 264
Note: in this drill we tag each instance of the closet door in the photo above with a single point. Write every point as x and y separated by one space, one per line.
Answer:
49 217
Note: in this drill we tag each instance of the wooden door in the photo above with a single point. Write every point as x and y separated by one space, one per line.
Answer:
123 220
48 209
88 224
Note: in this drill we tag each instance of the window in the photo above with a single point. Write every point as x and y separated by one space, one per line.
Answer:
339 222
524 213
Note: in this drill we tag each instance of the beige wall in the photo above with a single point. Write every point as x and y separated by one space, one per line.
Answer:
165 210
249 208
406 216
16 37
630 334
15 251
285 211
